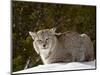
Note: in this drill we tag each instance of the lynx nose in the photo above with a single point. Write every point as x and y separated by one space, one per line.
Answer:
44 45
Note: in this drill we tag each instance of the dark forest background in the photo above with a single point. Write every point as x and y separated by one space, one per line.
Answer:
32 16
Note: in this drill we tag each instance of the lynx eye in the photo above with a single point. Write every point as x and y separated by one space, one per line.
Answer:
47 39
39 40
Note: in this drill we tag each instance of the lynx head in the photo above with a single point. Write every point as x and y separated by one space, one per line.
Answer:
44 39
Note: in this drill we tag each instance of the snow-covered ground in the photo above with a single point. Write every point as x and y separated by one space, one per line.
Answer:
59 67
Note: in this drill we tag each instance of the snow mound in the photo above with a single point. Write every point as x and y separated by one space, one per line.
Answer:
59 67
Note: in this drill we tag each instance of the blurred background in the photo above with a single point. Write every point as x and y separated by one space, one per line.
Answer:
34 16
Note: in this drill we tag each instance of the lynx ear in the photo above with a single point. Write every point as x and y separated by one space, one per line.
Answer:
32 34
53 30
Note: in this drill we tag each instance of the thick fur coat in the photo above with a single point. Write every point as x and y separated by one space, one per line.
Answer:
62 47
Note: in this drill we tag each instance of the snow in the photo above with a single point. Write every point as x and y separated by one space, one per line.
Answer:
59 67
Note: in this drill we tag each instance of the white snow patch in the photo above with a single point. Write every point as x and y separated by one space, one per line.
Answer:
59 67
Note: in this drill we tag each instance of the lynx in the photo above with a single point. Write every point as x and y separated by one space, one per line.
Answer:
62 47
